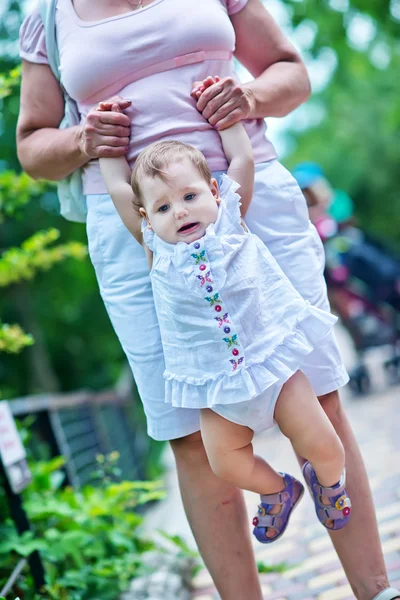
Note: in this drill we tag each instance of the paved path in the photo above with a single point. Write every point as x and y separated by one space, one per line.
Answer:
315 572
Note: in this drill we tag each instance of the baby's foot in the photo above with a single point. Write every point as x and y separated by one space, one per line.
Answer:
332 504
275 510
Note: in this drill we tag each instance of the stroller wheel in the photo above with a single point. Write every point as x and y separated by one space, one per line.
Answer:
360 382
392 369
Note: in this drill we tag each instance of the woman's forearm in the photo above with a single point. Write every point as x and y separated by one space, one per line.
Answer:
282 87
50 153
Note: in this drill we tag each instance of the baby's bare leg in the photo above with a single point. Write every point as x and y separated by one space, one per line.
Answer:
230 452
302 419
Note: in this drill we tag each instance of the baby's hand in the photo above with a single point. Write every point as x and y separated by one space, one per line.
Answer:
200 86
114 104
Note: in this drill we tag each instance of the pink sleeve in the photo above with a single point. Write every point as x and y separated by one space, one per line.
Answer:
32 42
233 6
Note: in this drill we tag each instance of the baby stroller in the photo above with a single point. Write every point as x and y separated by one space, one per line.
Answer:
363 280
363 277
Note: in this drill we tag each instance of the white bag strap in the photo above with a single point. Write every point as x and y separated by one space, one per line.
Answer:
48 13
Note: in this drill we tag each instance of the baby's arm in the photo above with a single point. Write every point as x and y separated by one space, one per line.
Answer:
239 154
117 174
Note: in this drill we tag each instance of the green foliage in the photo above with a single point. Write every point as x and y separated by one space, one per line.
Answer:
9 81
352 125
34 255
357 143
88 538
13 339
279 568
63 309
16 191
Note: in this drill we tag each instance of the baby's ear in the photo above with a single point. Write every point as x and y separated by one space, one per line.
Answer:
143 213
214 188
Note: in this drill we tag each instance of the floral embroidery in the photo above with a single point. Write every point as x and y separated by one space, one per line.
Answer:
199 256
222 320
231 341
216 302
204 278
236 363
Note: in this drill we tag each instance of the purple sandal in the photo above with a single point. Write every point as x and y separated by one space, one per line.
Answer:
339 508
288 498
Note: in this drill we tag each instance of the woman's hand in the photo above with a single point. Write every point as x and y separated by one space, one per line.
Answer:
105 133
222 103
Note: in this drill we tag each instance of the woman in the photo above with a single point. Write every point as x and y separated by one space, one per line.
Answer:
102 46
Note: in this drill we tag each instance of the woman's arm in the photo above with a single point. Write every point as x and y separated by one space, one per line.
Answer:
48 152
281 82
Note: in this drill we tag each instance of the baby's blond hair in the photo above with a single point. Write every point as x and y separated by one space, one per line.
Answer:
153 159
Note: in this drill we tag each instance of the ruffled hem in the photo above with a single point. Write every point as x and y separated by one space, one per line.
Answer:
250 381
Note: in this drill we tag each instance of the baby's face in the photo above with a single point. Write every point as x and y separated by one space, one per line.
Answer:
180 208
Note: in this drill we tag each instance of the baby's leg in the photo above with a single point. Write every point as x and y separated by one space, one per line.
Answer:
230 453
302 419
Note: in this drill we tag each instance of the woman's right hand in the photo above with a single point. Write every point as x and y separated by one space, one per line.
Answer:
105 133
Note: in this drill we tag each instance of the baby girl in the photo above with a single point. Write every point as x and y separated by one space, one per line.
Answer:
234 330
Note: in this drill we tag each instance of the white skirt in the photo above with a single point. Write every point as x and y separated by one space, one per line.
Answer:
278 216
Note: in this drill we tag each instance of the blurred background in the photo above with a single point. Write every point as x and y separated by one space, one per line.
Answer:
58 353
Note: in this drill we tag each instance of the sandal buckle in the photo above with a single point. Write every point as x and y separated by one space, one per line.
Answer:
261 511
342 503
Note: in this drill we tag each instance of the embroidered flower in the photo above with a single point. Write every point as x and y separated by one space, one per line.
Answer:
236 363
200 256
231 341
222 320
213 300
205 278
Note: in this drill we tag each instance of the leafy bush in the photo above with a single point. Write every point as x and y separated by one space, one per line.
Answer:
88 539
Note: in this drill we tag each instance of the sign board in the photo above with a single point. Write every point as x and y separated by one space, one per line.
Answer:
12 451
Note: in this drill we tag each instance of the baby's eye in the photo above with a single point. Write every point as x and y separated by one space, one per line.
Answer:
190 196
163 208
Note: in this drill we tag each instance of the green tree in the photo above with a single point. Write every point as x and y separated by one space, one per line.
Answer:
37 252
75 345
352 125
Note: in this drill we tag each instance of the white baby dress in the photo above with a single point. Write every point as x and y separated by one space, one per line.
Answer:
231 323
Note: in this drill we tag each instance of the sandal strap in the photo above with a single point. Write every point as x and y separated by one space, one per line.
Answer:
330 513
278 498
269 521
329 492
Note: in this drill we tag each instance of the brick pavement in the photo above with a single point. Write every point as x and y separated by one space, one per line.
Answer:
314 571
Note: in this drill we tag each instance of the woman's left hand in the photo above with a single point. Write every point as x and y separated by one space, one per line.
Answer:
223 103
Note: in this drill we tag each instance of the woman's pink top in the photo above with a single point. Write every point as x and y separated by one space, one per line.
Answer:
102 58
